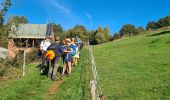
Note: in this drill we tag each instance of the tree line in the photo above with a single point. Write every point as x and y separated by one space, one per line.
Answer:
102 35
130 30
162 22
98 36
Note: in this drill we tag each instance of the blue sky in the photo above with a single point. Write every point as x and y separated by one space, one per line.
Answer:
91 13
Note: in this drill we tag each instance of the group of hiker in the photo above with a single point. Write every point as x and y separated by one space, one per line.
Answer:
51 52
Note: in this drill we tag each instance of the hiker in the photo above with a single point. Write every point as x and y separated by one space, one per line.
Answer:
43 48
68 57
64 47
76 56
54 64
74 47
78 42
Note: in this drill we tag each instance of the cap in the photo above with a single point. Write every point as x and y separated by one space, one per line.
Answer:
48 37
57 38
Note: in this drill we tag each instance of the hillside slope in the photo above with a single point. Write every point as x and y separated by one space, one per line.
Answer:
135 68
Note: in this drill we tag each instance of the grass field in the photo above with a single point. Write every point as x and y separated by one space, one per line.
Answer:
31 87
135 68
34 86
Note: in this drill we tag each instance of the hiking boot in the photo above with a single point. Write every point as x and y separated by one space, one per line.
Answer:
62 77
49 75
54 78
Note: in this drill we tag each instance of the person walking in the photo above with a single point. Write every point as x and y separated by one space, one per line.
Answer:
54 63
43 48
79 42
74 47
68 58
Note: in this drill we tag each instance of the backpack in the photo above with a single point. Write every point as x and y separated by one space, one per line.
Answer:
79 41
50 54
74 49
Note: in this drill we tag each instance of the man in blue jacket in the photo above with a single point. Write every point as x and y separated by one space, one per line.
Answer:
57 48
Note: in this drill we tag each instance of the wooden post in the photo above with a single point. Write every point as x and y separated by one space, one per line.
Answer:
24 57
33 43
24 64
26 43
93 89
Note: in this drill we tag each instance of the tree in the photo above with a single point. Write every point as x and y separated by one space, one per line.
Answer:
17 20
151 25
92 34
167 18
80 31
5 5
128 30
163 22
107 33
4 29
140 29
100 36
116 36
57 28
58 31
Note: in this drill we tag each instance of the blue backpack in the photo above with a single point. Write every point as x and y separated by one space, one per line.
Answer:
74 49
79 41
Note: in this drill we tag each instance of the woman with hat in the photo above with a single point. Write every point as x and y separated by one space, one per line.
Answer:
68 57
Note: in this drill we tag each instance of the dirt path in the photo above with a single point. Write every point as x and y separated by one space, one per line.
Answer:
52 89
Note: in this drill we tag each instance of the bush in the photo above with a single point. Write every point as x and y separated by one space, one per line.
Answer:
12 69
31 57
128 30
9 71
116 36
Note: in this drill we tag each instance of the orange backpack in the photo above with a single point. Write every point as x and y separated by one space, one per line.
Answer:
50 54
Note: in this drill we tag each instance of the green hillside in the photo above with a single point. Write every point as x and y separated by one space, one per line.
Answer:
135 68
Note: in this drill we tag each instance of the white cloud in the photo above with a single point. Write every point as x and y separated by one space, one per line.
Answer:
60 11
89 17
62 8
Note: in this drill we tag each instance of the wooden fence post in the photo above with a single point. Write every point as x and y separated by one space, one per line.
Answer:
24 57
24 64
93 89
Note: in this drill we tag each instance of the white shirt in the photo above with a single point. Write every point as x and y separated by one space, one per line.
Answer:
45 44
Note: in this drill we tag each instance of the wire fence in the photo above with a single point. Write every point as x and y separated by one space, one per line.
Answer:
96 90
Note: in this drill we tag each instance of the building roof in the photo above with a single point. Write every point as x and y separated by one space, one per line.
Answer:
31 31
